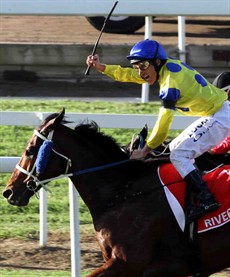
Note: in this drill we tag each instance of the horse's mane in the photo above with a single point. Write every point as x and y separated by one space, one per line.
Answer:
91 131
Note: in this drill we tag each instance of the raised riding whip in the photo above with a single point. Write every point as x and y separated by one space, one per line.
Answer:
103 26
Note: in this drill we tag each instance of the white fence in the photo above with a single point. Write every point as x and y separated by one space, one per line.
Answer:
34 119
125 121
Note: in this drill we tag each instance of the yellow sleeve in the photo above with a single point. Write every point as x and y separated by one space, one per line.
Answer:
161 128
123 74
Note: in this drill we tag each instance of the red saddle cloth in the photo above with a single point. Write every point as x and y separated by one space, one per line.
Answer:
218 182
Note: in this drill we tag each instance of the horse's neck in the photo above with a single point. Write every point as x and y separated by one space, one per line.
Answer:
108 189
98 189
95 184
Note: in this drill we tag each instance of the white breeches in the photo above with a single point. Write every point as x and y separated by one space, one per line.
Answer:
198 138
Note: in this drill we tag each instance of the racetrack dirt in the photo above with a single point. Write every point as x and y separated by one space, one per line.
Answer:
27 254
76 29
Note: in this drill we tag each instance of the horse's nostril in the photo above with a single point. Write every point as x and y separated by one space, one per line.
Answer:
7 193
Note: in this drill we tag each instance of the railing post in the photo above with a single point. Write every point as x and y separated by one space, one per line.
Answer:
148 35
181 38
74 230
43 216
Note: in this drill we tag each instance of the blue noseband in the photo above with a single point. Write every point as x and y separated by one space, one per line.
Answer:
43 156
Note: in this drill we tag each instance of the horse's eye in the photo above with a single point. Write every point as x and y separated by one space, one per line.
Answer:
29 152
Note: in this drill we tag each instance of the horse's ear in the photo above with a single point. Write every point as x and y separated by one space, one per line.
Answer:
56 121
62 112
53 121
59 117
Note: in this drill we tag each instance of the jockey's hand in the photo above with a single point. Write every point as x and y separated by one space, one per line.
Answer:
140 153
94 62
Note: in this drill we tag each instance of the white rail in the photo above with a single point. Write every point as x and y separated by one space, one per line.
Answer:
126 121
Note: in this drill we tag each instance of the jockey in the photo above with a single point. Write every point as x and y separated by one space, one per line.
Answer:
222 81
185 90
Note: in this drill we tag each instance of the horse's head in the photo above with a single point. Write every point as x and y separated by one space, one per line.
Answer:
33 170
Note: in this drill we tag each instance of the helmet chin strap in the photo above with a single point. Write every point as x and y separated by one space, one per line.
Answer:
154 61
157 67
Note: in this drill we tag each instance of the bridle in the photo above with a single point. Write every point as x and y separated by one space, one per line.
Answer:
33 184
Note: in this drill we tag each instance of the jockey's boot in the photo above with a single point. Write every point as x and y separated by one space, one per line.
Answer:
204 200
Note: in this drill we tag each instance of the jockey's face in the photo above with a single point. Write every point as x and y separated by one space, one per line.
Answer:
147 71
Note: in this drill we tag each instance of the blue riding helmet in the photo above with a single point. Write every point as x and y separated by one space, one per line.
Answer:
147 50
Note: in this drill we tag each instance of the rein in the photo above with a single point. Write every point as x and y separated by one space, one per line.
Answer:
42 183
33 184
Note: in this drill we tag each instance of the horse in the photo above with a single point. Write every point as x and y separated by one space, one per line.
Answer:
136 230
